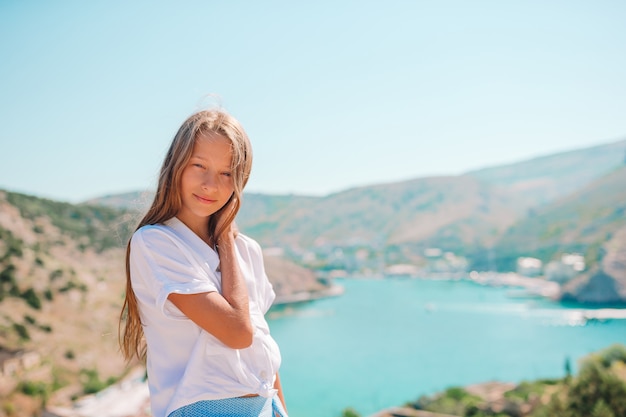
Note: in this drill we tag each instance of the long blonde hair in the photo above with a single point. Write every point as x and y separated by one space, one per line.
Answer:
167 202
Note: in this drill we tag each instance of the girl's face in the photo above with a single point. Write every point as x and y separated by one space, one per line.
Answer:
206 183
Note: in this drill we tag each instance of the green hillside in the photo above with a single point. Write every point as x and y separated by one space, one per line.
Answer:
61 286
447 212
260 214
97 226
444 211
580 222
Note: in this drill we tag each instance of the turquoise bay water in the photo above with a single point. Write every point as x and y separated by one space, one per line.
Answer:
386 342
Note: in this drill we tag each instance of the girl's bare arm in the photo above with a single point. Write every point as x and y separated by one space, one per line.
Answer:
226 316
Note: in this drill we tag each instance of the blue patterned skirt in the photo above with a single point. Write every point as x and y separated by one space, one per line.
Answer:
233 407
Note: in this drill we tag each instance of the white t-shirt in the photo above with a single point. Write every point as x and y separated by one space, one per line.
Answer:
185 363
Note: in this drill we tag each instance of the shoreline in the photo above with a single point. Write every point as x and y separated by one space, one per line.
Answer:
306 296
537 287
522 287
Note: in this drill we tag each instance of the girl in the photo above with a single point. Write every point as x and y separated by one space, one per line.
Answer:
196 288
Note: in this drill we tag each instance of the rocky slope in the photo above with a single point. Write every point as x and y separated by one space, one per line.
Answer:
605 283
61 293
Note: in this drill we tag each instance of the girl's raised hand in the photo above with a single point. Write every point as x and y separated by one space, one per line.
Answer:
231 229
225 315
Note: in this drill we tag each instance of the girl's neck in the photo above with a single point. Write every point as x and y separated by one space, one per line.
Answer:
201 229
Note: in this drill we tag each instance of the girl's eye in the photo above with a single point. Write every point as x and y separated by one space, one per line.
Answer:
226 174
198 165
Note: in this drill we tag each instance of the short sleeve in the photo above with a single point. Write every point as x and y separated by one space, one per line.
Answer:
160 265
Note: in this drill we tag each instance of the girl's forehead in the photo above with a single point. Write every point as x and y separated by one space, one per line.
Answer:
212 137
213 146
212 141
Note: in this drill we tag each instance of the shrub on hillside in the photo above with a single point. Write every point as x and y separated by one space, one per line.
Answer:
596 385
595 392
611 354
14 246
31 298
71 285
34 389
527 390
8 282
350 412
92 383
453 401
45 328
57 273
21 331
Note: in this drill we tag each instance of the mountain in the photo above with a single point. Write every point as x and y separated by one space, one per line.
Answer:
135 200
580 222
444 211
449 212
605 283
465 214
544 179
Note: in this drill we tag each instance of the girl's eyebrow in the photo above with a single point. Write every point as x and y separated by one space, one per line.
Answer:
205 160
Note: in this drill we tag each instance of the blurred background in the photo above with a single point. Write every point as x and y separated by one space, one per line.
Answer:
438 188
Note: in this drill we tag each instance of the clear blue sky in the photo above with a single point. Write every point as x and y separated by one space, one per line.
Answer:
334 94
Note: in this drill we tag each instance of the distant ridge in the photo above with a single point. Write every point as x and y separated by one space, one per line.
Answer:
542 178
134 200
449 211
548 177
468 214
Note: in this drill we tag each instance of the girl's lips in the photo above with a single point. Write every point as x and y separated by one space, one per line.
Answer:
204 200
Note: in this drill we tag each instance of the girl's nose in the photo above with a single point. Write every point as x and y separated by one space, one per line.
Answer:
209 182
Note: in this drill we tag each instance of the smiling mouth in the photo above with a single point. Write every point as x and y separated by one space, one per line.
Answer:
204 200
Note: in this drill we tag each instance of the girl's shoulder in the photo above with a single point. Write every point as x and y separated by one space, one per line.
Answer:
161 234
151 228
153 231
248 245
248 242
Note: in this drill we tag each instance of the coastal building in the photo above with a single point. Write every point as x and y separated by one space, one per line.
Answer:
438 261
529 267
401 270
563 270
